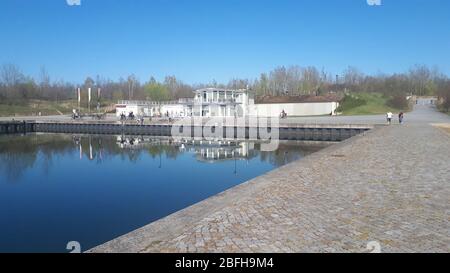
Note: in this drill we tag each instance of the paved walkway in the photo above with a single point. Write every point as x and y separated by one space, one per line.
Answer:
391 185
369 119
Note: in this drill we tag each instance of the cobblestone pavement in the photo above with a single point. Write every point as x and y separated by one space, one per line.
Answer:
391 185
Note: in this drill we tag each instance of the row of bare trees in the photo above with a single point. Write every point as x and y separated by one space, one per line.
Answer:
293 80
16 87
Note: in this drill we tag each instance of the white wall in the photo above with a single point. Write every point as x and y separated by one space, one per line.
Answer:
263 110
294 109
129 108
175 110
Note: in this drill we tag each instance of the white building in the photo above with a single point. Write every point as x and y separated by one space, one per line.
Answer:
216 102
135 107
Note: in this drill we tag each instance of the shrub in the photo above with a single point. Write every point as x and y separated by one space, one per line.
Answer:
398 102
350 102
445 105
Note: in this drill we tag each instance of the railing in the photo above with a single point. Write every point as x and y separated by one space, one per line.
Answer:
218 101
186 100
146 102
179 101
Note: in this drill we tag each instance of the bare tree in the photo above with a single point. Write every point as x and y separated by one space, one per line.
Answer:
172 85
419 75
311 80
11 77
44 82
10 74
352 76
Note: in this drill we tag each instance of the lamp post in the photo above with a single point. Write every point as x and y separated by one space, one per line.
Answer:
160 161
235 162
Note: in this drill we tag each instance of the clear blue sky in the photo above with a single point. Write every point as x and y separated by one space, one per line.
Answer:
201 40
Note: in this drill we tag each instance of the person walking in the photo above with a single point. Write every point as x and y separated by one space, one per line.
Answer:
400 118
389 117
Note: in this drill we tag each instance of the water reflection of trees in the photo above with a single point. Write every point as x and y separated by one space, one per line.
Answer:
20 153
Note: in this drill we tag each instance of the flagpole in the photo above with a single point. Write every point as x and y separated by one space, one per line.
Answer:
98 99
89 99
79 99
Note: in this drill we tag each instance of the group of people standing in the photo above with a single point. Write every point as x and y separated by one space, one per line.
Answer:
389 117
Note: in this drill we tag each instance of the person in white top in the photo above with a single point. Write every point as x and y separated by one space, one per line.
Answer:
389 117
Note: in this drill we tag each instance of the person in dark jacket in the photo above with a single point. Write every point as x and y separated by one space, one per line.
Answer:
400 117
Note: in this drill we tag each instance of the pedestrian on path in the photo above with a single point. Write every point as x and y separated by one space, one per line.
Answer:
400 118
389 118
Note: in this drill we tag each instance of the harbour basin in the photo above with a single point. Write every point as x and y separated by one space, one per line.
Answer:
56 188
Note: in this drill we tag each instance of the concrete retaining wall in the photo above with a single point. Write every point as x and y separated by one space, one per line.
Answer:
16 127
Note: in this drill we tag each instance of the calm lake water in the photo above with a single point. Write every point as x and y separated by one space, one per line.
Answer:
91 189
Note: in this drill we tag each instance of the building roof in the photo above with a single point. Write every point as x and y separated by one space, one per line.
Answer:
297 99
220 89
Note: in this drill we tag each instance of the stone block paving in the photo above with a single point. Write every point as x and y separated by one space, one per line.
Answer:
391 185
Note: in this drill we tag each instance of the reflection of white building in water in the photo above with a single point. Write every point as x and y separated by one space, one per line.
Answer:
213 151
217 102
205 150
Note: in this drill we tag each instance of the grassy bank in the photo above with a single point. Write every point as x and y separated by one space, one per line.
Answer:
34 107
442 109
367 104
